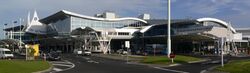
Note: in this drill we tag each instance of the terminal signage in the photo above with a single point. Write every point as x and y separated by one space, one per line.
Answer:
127 44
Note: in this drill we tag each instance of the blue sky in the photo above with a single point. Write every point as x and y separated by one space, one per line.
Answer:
235 11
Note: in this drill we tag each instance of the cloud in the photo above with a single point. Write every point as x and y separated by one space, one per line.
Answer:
207 7
15 9
88 7
235 11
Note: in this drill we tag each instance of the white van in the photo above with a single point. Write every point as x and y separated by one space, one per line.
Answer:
5 53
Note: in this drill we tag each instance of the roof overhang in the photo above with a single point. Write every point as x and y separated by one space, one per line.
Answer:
82 30
63 13
223 23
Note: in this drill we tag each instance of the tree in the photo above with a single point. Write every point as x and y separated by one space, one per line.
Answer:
30 54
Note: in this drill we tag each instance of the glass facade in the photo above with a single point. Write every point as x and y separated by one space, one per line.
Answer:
67 25
62 27
81 22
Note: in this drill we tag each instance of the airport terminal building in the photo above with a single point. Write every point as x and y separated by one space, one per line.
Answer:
68 31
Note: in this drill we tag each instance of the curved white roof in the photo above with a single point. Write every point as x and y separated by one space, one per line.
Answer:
103 19
223 23
146 29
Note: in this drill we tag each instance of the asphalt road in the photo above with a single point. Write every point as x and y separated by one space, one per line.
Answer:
195 67
90 64
204 66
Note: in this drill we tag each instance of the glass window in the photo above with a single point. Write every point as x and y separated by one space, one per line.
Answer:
123 33
81 22
7 52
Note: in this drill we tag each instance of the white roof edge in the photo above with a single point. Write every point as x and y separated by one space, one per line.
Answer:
103 19
223 23
242 28
237 40
146 28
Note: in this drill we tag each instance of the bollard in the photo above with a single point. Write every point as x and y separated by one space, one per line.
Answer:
44 57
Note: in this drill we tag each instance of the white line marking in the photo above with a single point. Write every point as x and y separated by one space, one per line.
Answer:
86 58
170 70
174 65
57 69
96 62
62 65
203 71
92 61
73 65
61 62
67 62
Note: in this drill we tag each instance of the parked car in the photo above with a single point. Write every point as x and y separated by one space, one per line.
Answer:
87 52
53 56
6 54
78 52
122 51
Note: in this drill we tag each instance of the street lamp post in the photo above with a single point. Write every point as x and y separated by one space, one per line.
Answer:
169 33
222 51
4 30
13 28
20 31
11 32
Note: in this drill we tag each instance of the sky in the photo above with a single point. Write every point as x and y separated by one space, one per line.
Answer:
237 12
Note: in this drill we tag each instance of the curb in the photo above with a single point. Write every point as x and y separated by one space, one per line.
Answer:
211 70
46 70
199 61
138 63
154 65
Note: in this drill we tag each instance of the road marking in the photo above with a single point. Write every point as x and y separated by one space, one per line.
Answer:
89 60
170 70
92 61
171 65
73 65
57 69
60 62
62 65
203 71
96 62
86 58
65 64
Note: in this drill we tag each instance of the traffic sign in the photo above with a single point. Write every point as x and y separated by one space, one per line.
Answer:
127 44
172 55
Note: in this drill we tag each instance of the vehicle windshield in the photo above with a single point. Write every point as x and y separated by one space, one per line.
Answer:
7 52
